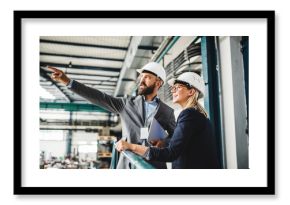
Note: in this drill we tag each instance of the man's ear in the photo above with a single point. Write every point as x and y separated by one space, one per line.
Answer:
159 84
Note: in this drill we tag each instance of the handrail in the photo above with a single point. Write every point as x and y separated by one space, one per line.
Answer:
136 160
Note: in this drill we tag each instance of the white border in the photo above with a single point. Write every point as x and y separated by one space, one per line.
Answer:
254 177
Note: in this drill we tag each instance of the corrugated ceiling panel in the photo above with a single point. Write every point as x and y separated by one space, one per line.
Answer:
89 72
90 47
96 82
78 61
82 51
97 78
120 41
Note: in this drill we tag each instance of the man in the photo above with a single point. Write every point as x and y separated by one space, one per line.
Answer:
136 112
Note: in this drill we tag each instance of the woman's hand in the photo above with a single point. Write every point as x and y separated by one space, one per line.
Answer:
122 145
158 143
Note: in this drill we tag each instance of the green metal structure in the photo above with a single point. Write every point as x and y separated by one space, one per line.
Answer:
72 107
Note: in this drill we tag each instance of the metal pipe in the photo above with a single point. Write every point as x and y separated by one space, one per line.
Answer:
164 43
168 47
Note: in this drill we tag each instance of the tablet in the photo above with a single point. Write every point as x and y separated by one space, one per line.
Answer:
156 131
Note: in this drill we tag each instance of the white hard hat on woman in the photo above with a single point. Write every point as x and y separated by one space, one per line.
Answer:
191 80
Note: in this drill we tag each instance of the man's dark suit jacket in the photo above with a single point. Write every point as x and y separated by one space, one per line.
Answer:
131 113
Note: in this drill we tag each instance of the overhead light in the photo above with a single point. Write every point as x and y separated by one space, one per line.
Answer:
70 64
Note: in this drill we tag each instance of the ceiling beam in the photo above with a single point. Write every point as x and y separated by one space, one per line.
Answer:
132 51
80 67
94 75
83 45
96 83
96 80
142 47
81 57
149 48
128 80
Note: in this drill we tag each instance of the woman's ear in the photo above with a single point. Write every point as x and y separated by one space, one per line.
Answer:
191 92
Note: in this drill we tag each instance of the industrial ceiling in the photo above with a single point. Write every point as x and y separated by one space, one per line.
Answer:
107 63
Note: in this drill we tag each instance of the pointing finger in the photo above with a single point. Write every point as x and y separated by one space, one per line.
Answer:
53 69
55 76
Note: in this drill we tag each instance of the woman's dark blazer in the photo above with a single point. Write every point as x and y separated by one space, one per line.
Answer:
192 146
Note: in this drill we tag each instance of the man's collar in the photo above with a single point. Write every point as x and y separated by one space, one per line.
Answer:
155 99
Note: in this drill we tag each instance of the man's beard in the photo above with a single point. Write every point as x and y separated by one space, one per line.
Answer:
147 90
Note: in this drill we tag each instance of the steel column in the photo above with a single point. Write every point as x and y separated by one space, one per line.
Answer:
212 91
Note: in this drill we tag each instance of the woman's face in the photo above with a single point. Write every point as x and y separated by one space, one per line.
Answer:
180 93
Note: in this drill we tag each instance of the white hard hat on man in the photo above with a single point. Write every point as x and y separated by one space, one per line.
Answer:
154 68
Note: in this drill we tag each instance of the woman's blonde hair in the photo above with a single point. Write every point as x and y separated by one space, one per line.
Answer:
192 102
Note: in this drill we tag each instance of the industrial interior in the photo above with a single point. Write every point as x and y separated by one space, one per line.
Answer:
75 134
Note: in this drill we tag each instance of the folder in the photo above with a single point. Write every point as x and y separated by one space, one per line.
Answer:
156 131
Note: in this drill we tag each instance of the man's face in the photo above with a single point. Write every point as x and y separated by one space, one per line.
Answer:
147 83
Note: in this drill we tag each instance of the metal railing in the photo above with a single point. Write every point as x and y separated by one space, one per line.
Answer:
137 161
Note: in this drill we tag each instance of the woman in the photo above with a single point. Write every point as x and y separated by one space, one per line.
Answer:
192 145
